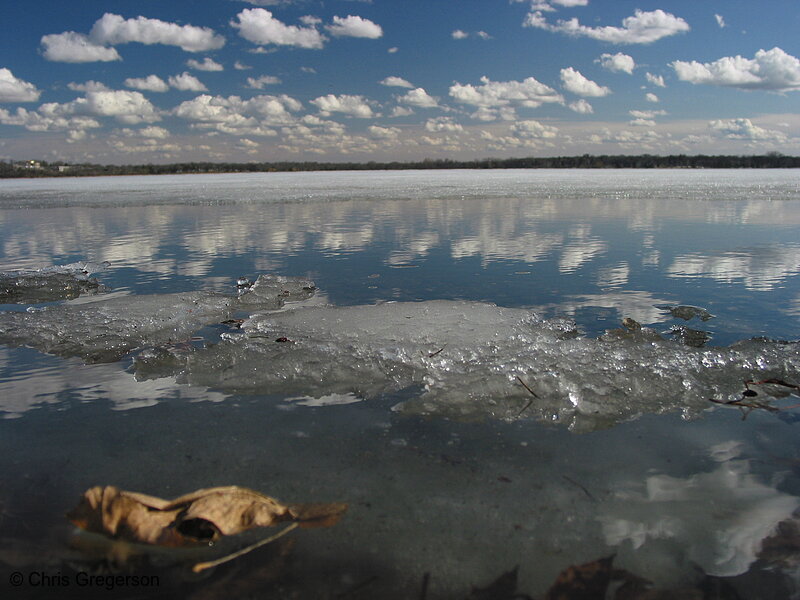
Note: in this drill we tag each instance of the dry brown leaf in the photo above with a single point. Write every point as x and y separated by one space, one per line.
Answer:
199 517
584 582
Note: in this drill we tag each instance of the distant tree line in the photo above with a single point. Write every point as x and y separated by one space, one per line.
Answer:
772 160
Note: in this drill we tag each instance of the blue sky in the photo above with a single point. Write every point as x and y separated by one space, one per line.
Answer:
125 81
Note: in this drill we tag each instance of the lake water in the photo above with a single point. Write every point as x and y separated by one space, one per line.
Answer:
453 471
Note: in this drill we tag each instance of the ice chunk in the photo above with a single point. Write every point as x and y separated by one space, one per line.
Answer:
469 359
106 330
48 284
687 312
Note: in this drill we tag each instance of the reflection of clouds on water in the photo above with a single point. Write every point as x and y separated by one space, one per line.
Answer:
581 249
718 519
614 276
31 388
762 268
638 305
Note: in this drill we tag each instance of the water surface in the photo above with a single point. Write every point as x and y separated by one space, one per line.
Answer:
461 501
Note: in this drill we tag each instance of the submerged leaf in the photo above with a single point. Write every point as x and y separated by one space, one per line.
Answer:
202 516
583 582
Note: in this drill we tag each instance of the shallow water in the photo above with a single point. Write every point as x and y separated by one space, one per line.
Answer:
463 500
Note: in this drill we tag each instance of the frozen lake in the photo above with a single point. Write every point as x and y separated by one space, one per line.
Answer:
446 368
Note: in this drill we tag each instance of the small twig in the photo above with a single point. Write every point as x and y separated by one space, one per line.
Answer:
213 563
432 354
525 385
423 594
585 491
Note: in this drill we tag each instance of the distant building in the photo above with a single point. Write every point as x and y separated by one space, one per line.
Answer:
29 164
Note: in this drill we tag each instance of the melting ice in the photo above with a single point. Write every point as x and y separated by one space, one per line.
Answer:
456 359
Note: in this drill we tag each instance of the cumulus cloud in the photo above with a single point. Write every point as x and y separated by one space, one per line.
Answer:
534 129
573 81
528 93
239 66
656 80
13 89
186 82
258 83
74 47
396 82
87 86
773 70
720 20
618 62
207 65
581 107
548 5
418 97
744 129
151 83
356 106
401 111
646 114
459 35
443 124
353 26
651 97
233 115
641 28
383 133
127 107
112 29
260 27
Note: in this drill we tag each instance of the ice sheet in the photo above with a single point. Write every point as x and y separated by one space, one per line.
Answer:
61 282
106 330
469 360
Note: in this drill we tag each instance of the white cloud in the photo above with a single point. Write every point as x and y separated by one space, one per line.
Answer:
310 20
48 117
383 133
534 129
186 82
401 111
207 65
576 83
356 106
639 122
240 117
151 83
618 62
581 106
154 132
420 98
443 124
396 82
459 35
353 26
641 28
260 27
646 114
773 70
656 80
483 35
74 47
239 66
393 50
529 93
547 6
720 20
744 129
112 29
13 89
258 83
651 97
88 86
127 107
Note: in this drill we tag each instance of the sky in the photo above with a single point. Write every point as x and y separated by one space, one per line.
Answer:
146 81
